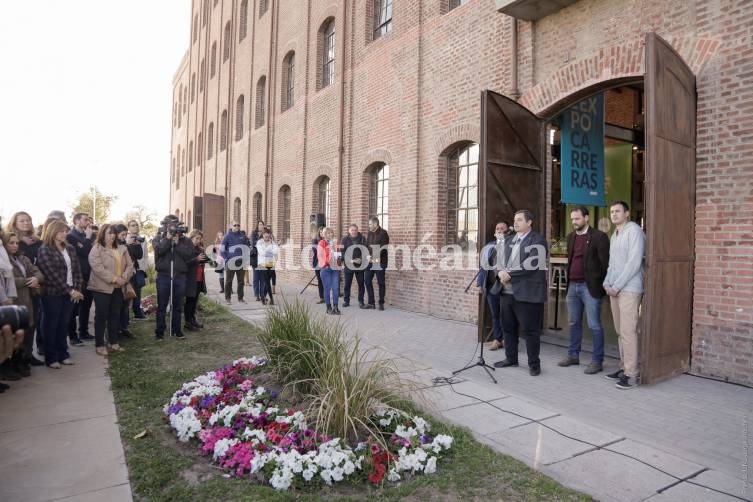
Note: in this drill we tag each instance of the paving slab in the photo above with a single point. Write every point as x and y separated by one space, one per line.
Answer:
537 445
120 493
581 431
61 460
725 483
524 408
667 462
609 476
690 493
482 418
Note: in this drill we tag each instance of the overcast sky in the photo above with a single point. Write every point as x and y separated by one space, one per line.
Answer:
86 99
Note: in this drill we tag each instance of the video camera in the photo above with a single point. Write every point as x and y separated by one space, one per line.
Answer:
17 316
171 226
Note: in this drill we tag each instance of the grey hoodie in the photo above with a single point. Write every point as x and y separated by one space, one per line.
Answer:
626 249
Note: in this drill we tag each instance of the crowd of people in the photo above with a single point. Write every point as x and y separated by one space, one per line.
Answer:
54 273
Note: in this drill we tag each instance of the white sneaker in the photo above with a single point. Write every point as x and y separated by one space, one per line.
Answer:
67 362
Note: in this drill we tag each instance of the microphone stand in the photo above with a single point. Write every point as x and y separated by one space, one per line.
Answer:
481 362
309 284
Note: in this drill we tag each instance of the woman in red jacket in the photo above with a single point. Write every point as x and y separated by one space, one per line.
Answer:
328 258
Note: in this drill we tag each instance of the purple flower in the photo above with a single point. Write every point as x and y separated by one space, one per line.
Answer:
426 439
273 394
172 410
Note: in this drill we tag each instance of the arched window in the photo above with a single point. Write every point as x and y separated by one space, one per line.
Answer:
260 102
284 214
195 27
237 209
323 200
379 193
327 52
190 156
262 7
462 196
199 149
242 25
202 75
226 46
210 141
382 17
213 61
257 208
223 131
288 81
239 107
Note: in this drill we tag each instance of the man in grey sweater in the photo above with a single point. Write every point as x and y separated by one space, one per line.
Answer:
624 285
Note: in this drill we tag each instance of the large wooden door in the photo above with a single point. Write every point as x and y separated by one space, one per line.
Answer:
670 203
213 216
511 174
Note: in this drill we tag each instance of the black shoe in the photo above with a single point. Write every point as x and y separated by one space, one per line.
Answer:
126 333
7 372
139 318
504 363
19 364
369 306
346 304
180 335
535 371
381 306
196 324
87 336
271 300
336 311
614 376
33 361
76 341
258 299
159 337
624 383
190 327
329 309
3 387
361 305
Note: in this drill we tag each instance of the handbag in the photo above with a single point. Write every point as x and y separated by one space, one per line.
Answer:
139 280
129 293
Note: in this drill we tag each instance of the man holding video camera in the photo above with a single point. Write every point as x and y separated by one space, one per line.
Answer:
140 256
173 253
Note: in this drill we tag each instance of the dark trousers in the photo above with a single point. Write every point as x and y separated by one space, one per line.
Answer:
190 312
39 323
107 314
319 283
265 286
494 307
81 313
57 315
29 340
239 278
349 274
137 312
368 274
526 318
257 282
163 296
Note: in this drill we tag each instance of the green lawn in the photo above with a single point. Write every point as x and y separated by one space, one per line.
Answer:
160 468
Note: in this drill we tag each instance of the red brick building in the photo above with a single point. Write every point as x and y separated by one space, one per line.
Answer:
288 108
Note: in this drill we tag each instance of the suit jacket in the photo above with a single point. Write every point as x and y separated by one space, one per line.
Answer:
486 275
529 285
83 247
595 260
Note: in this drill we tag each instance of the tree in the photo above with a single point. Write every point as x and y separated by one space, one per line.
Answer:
103 204
145 217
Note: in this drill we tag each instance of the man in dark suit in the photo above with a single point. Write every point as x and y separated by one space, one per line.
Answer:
81 238
524 291
487 278
587 263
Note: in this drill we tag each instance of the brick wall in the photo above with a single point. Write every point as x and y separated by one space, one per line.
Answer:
408 97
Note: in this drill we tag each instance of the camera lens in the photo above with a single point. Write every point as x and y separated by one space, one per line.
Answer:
16 316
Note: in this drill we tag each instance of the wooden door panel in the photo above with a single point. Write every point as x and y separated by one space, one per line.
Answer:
670 204
511 174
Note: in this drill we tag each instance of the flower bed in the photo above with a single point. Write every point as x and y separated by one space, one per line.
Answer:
238 424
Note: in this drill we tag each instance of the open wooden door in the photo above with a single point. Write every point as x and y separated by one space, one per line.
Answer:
213 216
670 203
511 174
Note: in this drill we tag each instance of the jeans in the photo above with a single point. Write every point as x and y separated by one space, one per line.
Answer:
238 274
578 297
57 315
81 312
526 317
368 275
349 281
257 283
331 280
107 313
494 307
265 286
163 296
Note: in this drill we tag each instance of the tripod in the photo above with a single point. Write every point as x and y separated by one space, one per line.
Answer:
308 284
481 362
172 278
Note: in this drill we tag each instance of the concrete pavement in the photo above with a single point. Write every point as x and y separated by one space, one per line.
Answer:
684 439
59 436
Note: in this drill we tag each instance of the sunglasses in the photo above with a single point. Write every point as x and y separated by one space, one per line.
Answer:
236 225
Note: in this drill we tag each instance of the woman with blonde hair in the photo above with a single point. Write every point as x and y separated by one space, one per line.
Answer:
111 272
63 284
328 258
28 242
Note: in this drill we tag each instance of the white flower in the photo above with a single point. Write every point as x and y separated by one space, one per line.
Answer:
308 474
222 446
393 476
443 441
349 467
421 425
281 479
405 433
431 465
186 424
